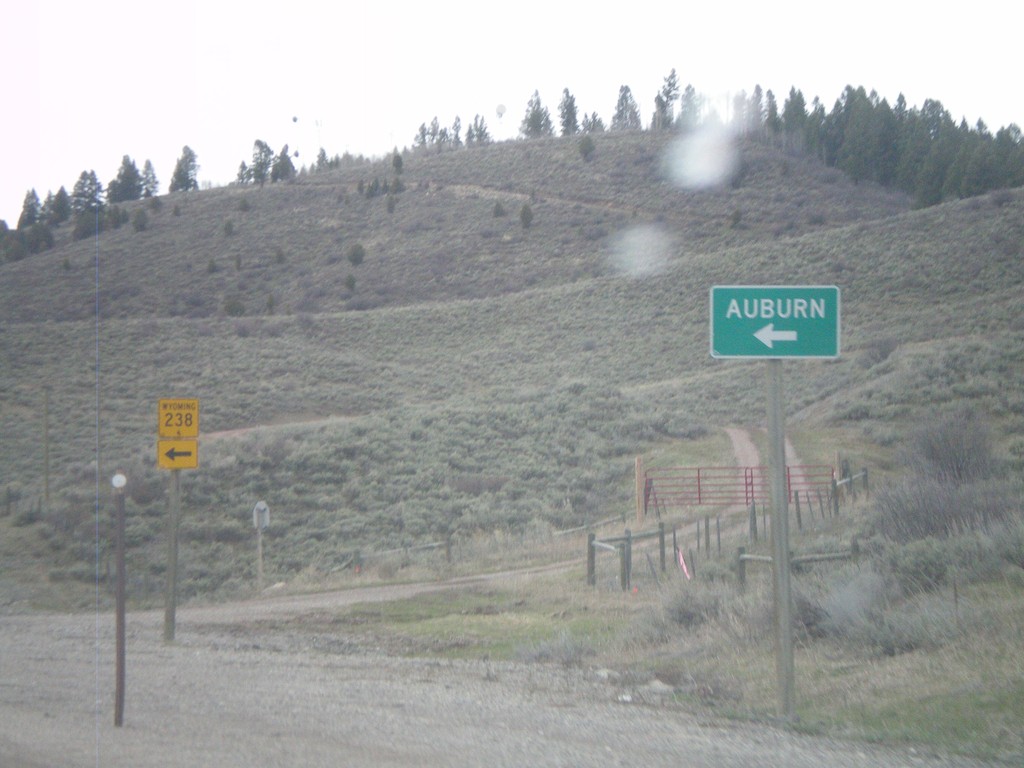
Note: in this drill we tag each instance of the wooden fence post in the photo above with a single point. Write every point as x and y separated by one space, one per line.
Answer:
799 520
591 560
625 564
661 544
693 564
741 567
718 533
707 536
753 521
865 471
835 498
640 488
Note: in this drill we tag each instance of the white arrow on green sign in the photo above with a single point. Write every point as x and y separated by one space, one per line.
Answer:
775 321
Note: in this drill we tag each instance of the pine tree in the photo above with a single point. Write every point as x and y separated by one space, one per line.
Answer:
772 121
185 170
282 169
29 210
150 185
592 123
87 195
627 114
755 112
60 210
567 114
262 162
128 183
689 109
664 102
794 119
480 134
537 121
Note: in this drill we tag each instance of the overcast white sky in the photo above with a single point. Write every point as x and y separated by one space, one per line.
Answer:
86 83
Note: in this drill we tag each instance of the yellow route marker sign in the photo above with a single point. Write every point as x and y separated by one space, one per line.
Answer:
178 418
177 454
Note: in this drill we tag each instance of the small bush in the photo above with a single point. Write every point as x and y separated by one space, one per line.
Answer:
586 147
1010 545
920 566
924 624
229 228
955 449
86 226
140 220
243 204
356 254
917 509
689 607
350 283
565 650
499 209
526 216
234 307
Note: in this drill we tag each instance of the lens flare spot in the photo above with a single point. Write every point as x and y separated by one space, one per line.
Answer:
702 159
641 251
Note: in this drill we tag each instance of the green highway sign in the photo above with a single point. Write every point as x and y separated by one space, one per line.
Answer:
775 321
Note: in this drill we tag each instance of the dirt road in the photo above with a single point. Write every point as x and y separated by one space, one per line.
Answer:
225 694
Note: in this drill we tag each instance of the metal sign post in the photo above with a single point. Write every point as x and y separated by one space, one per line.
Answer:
171 590
177 449
774 322
780 545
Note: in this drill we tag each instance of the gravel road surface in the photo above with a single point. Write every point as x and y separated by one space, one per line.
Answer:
224 694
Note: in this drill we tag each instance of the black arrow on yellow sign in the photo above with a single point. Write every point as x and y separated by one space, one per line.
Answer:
177 454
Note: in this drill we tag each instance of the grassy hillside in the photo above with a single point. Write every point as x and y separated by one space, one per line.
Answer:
479 375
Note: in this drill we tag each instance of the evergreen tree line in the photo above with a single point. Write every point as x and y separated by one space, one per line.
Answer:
921 151
89 206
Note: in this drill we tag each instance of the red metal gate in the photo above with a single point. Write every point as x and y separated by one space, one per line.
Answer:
674 487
